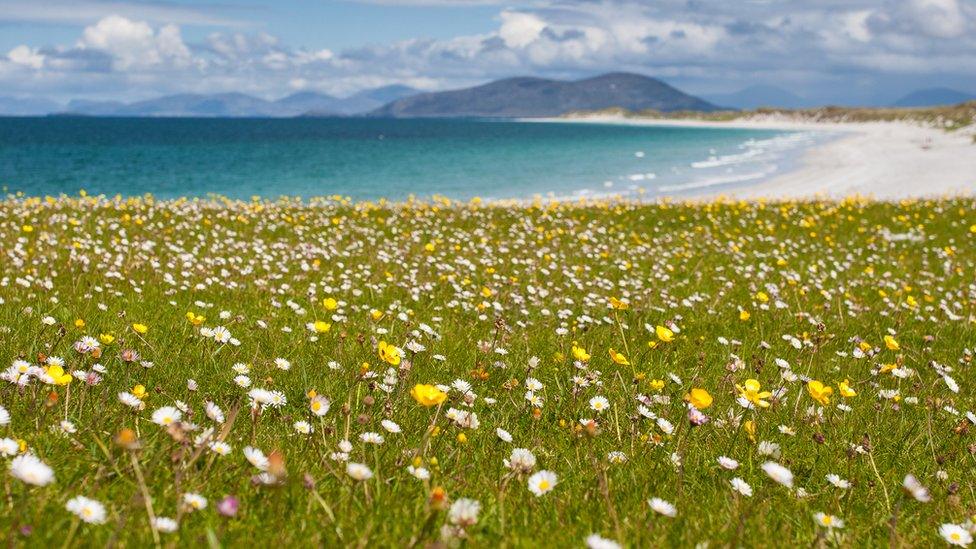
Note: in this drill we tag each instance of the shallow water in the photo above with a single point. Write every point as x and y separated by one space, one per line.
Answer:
373 158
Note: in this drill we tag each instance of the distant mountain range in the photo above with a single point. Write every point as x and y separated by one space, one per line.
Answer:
537 97
758 96
235 105
507 98
934 96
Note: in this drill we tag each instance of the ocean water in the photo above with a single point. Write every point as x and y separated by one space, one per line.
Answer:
375 158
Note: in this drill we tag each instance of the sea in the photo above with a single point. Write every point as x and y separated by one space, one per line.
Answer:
371 158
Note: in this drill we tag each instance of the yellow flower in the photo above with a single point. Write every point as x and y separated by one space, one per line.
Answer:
744 314
664 334
762 297
699 398
618 304
820 392
486 292
376 314
140 328
194 319
389 353
580 353
891 343
106 339
330 304
79 323
656 384
139 391
58 374
321 327
462 438
427 395
845 390
750 392
27 229
619 358
750 427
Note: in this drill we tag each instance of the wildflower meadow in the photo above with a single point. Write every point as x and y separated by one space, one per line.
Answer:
215 372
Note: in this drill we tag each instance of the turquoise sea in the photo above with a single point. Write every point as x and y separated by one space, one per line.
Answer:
374 158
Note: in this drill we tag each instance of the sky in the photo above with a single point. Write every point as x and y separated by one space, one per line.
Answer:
828 51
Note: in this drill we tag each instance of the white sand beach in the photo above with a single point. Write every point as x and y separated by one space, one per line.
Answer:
881 160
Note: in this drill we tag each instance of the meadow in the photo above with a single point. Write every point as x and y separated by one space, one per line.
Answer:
209 372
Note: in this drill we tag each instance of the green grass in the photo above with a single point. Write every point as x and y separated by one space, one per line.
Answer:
497 286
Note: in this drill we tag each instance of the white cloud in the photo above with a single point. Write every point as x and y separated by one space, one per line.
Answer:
786 42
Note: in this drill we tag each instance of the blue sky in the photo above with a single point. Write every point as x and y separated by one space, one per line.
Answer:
845 51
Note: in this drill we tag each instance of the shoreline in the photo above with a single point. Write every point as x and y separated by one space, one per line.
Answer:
879 160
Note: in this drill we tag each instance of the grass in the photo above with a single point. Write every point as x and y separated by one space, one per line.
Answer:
493 295
948 117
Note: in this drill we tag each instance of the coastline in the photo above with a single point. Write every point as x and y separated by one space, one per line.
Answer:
879 160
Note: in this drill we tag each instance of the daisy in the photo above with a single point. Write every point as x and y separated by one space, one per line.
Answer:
728 463
29 469
390 426
828 521
954 534
741 487
371 438
166 415
915 489
88 510
302 427
599 403
838 482
214 412
504 435
778 473
8 447
662 507
595 541
195 502
165 525
464 512
542 482
256 457
358 471
521 460
319 405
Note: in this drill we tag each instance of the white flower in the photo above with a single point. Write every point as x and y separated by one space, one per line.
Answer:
662 507
358 471
8 447
371 438
665 425
131 400
88 510
521 460
542 482
838 482
390 426
778 473
282 364
599 403
955 534
302 427
915 488
319 405
214 412
770 449
418 472
220 448
828 521
728 463
195 502
166 415
741 487
464 512
256 457
242 381
165 525
4 416
29 469
504 435
594 541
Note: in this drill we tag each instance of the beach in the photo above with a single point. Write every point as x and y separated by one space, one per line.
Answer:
881 160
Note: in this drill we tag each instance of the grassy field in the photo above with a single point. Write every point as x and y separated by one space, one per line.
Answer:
327 373
948 117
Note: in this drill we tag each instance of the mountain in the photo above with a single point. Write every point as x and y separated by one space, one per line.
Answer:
932 97
362 102
235 105
757 96
16 106
538 97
